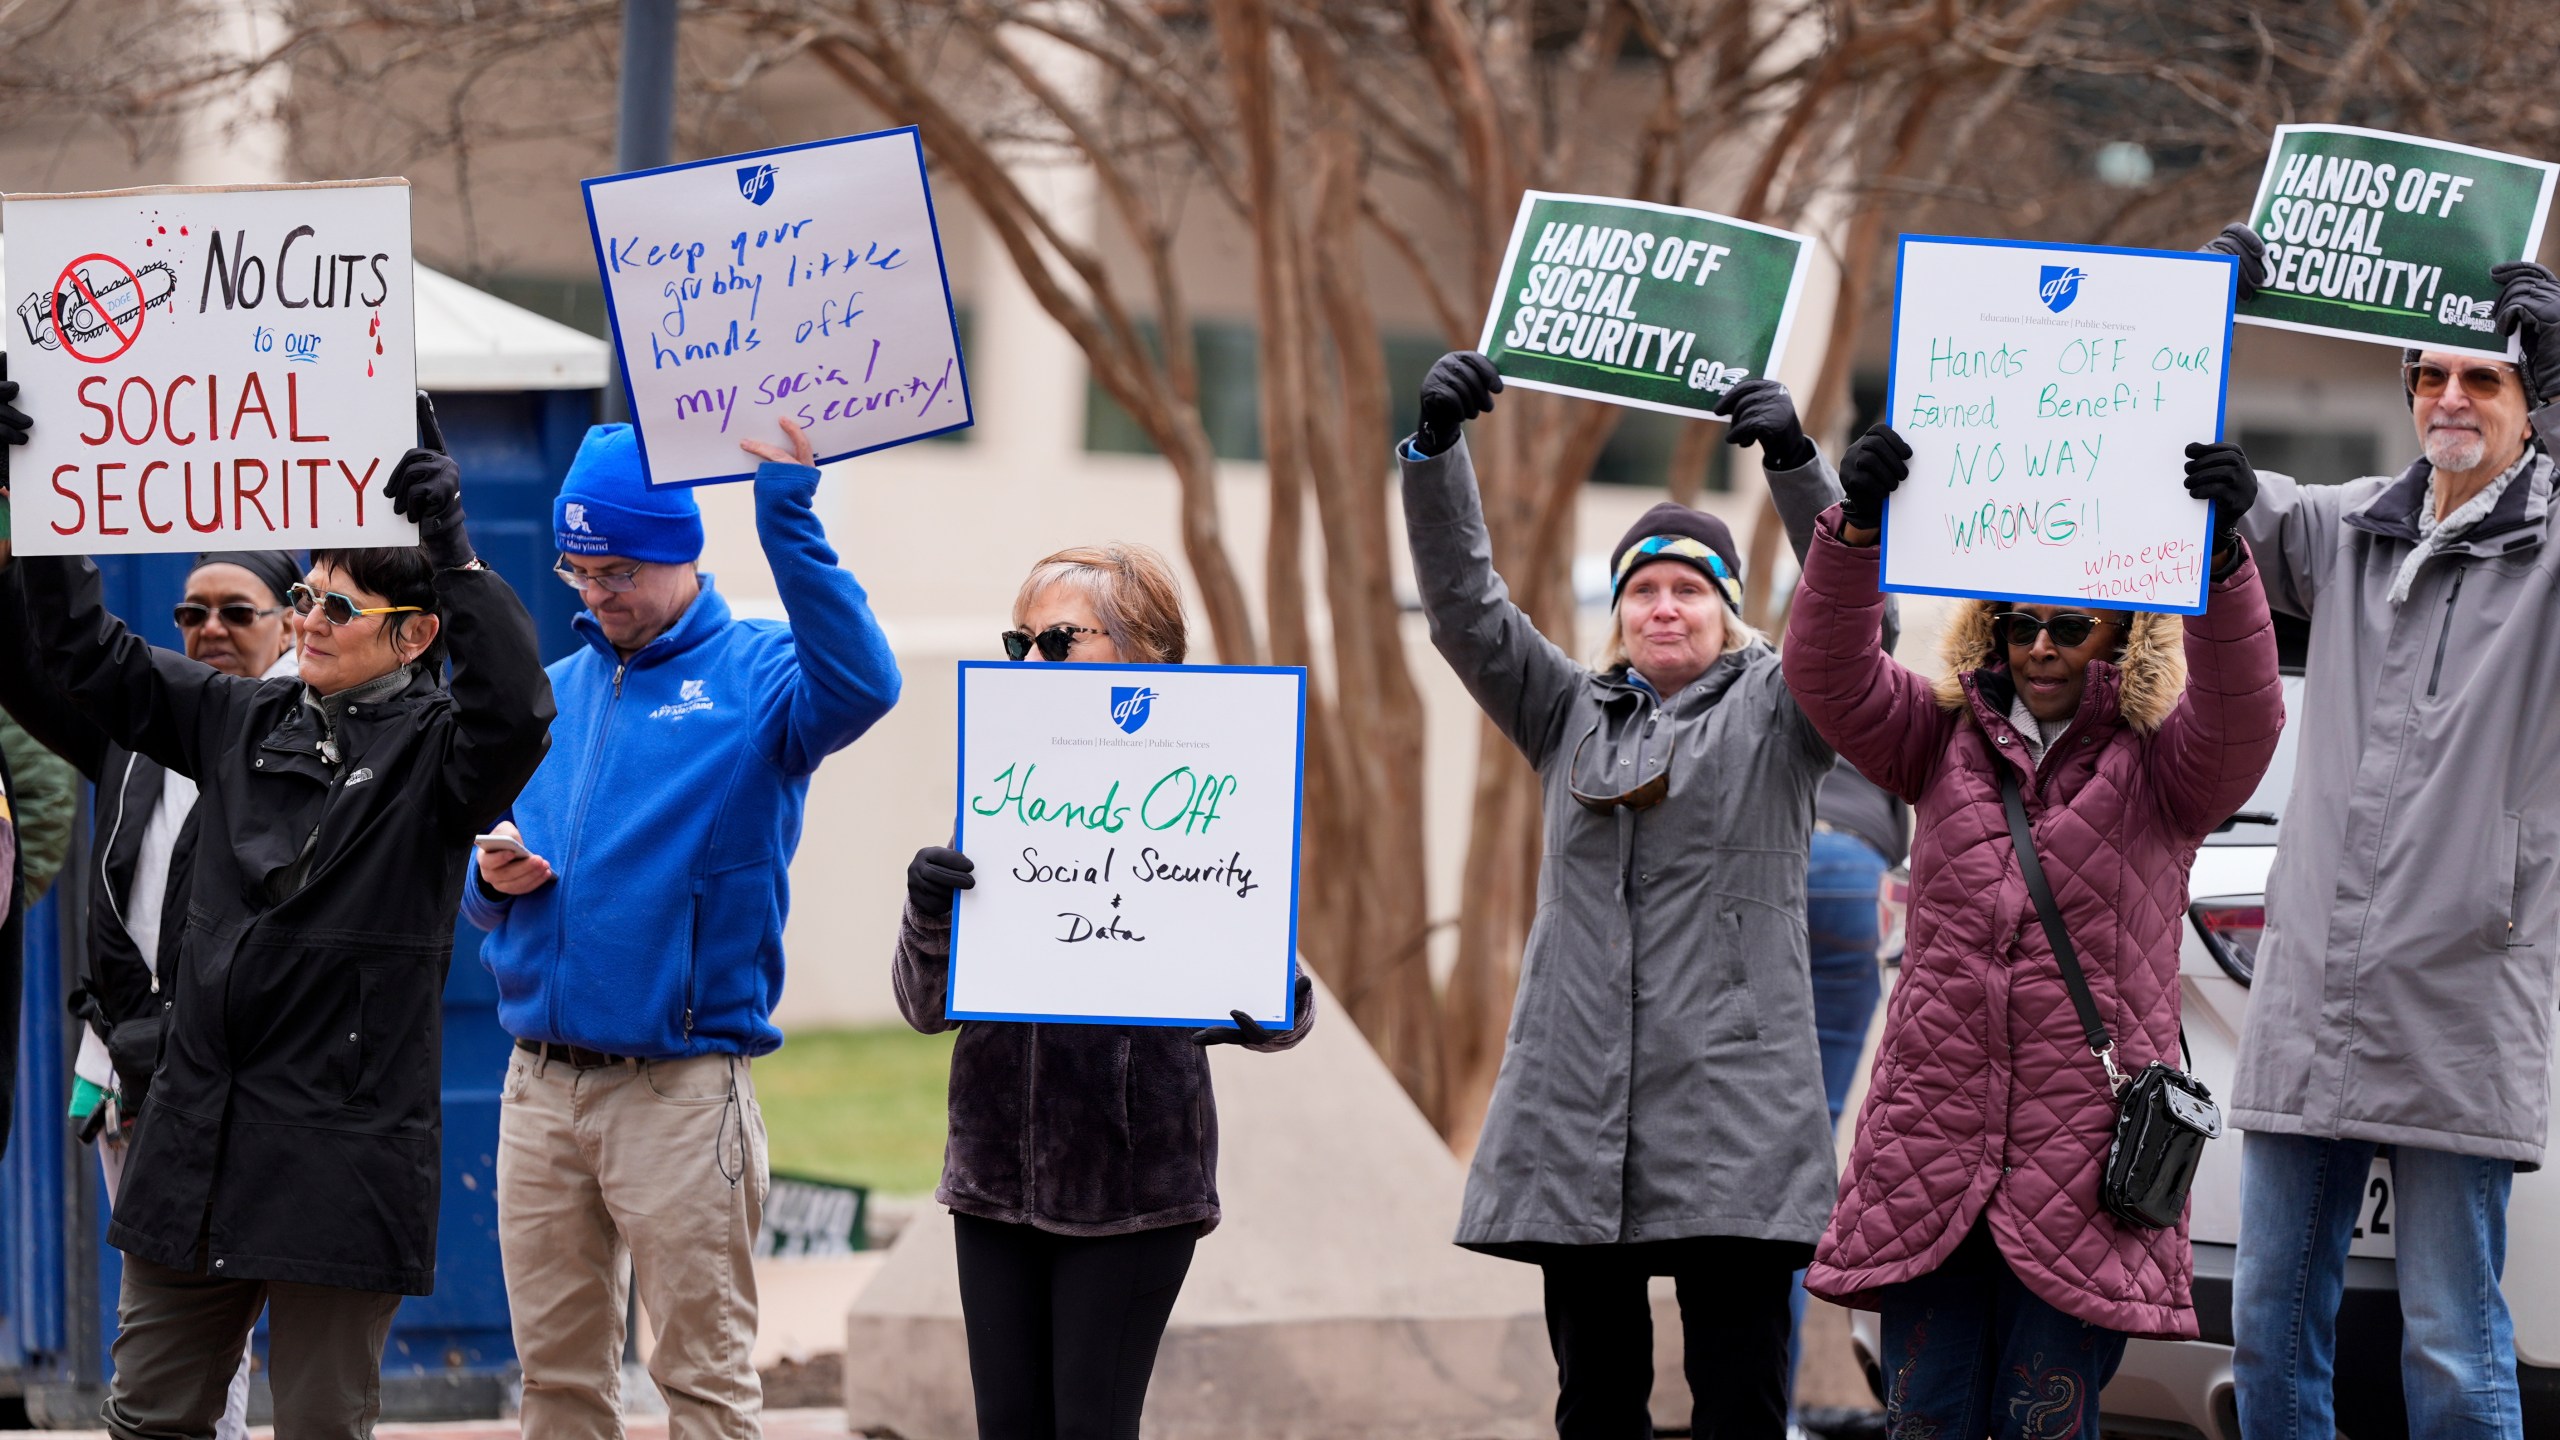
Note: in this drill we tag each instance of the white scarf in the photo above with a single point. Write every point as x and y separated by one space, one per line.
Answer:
2435 534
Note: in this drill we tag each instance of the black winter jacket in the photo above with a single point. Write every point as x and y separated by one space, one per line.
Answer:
294 1130
114 986
1072 1129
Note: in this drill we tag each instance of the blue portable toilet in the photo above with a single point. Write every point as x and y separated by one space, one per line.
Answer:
515 393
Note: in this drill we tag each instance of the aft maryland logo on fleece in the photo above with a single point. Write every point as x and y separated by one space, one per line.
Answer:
691 699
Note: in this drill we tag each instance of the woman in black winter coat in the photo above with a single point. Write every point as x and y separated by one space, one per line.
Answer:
288 1157
1082 1161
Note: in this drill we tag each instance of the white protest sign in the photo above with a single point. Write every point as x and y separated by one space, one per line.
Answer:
2049 393
805 281
211 367
1135 830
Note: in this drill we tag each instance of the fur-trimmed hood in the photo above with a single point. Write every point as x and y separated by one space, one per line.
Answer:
2153 666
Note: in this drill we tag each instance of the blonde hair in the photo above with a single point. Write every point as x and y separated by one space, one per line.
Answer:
1133 594
1739 634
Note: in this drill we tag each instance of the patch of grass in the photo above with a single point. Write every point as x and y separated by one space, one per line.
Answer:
864 1107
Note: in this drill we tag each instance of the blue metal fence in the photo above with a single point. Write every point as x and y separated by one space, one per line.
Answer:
450 1352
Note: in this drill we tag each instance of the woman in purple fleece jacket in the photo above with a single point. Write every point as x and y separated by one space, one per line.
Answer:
1082 1164
1969 1211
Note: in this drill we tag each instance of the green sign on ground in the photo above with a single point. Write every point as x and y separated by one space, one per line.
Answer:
1641 304
2389 238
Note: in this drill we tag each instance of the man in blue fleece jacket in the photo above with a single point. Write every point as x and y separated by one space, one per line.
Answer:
637 935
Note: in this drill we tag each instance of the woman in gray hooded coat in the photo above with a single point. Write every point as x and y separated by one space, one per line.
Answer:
1660 1105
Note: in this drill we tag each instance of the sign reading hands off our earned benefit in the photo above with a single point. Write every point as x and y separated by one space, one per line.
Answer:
805 281
2049 393
2390 238
1135 831
211 367
1641 304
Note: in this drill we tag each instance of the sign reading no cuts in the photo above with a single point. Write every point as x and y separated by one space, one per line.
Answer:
805 281
211 367
1135 830
2389 238
2049 393
1641 304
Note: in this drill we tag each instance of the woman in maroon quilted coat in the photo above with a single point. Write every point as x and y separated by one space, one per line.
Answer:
1969 1212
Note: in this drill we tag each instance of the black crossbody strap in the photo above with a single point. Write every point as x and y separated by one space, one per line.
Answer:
2100 1043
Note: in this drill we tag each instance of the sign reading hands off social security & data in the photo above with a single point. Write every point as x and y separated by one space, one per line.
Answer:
2048 393
2390 238
1641 304
804 282
211 367
1135 831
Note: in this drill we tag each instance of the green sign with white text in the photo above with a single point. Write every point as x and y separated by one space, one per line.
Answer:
1641 304
2389 238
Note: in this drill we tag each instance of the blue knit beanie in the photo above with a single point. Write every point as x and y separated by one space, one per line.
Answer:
606 506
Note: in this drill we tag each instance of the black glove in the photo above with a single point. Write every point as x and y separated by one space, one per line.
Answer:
2221 474
2529 304
426 487
1246 1032
935 875
2242 243
1460 387
1876 465
14 423
1764 414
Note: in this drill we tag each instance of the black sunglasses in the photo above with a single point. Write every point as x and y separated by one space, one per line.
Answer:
2019 628
1053 643
239 614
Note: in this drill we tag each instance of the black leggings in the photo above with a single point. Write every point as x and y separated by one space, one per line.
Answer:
1063 1328
1733 1334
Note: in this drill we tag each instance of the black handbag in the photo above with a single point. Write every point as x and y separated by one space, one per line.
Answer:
2164 1116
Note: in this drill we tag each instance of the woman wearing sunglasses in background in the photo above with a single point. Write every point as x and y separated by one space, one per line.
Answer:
233 617
1081 1167
1970 1214
1660 1105
289 1156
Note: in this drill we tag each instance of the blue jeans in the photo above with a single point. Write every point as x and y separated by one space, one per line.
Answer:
2299 1199
1970 1351
1840 883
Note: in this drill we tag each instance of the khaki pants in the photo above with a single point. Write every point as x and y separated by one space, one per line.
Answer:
661 1163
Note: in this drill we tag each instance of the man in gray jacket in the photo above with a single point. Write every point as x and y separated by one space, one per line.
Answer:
2404 991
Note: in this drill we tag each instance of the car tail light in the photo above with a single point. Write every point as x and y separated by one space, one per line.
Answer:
2231 926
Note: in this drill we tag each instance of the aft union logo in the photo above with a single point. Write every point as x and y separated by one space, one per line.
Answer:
2060 286
1130 705
577 517
755 183
690 700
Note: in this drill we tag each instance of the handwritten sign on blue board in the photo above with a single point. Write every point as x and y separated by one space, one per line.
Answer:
805 281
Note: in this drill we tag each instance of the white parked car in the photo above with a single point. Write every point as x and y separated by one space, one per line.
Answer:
2172 1388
